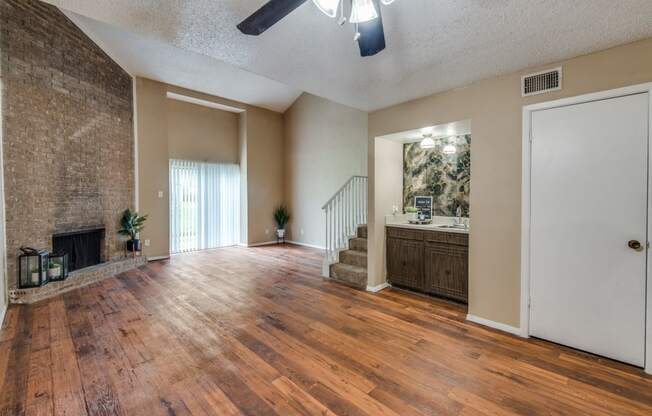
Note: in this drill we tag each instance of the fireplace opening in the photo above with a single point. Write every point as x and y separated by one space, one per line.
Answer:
84 247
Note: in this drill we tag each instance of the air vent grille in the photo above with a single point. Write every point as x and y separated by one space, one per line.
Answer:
541 82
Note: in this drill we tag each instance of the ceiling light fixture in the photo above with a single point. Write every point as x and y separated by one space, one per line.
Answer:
364 14
427 142
363 11
328 7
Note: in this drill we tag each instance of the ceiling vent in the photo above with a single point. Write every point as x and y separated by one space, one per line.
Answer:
541 82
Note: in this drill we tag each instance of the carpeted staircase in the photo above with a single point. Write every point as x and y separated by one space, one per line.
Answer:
352 268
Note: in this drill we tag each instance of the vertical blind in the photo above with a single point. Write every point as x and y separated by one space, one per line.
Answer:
204 205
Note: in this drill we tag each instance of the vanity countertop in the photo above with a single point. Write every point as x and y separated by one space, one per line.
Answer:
440 224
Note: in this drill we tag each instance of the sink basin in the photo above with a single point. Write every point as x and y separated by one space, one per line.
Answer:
454 227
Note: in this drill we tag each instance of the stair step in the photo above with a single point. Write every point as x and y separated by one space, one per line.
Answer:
354 258
362 231
358 244
350 275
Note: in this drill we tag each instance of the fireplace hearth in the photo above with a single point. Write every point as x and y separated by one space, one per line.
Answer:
84 247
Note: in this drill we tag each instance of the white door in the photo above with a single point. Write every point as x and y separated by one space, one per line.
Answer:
588 206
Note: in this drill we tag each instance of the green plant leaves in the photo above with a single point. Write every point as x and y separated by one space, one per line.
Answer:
131 224
281 216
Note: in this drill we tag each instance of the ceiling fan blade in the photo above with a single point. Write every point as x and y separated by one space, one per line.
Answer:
372 34
268 15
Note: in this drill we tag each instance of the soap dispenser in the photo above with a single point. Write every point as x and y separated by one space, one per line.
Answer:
458 215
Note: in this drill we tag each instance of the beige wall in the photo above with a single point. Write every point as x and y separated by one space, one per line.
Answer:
200 133
326 144
264 172
152 167
242 157
495 109
255 140
388 176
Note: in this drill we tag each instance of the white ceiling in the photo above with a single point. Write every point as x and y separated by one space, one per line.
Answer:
433 45
150 58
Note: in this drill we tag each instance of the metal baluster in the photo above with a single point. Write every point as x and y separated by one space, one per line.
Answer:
362 201
346 215
329 215
326 234
343 233
338 206
355 203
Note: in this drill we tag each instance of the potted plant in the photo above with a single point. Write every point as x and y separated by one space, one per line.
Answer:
54 270
131 225
411 213
282 217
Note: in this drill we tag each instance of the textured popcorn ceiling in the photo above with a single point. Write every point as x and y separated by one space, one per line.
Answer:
433 45
154 59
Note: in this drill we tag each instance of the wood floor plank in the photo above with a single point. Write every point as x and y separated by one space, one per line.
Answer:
257 331
67 389
39 381
14 386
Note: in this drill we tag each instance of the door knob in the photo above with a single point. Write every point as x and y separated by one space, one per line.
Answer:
635 245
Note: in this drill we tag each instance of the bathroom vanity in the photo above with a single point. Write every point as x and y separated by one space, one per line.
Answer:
431 259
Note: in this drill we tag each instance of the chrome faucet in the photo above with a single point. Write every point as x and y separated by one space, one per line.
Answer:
458 215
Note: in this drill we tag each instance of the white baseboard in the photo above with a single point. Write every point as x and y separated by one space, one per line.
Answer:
378 288
266 243
156 258
297 243
496 325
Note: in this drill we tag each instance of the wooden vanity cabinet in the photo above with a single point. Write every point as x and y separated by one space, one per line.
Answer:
446 271
433 262
405 262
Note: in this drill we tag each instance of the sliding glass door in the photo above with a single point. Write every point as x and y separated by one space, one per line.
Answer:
204 205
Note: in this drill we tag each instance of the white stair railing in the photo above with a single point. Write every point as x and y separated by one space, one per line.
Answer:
345 211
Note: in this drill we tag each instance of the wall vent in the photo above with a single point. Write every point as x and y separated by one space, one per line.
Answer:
541 82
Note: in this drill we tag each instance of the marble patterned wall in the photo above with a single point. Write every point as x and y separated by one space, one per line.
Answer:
445 177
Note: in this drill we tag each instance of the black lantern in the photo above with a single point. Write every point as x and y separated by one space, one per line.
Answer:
58 267
32 268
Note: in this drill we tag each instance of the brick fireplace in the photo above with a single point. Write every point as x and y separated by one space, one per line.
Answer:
85 247
67 129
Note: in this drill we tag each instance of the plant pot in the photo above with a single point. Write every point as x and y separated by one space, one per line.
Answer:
133 245
280 233
54 273
412 216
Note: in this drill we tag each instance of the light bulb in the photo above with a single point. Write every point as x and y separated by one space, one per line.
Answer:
427 142
328 7
363 11
449 149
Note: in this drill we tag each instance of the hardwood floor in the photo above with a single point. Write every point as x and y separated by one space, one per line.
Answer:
258 332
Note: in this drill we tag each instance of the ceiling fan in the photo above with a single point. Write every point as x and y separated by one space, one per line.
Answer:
365 15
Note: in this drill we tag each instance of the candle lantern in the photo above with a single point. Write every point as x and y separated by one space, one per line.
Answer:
58 267
32 268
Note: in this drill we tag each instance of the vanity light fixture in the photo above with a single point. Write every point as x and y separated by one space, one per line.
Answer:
450 149
427 142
